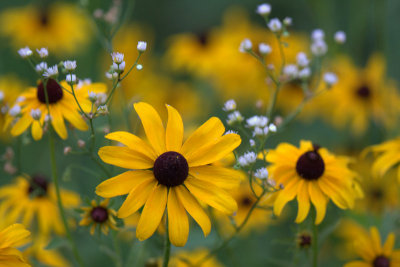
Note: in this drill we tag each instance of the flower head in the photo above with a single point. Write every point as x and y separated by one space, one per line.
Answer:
340 37
117 57
99 215
141 46
51 72
275 25
263 9
42 52
245 45
25 52
69 65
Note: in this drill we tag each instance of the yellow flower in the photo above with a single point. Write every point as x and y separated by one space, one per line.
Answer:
312 174
194 258
99 215
62 107
26 199
361 95
373 254
59 27
165 173
45 256
11 237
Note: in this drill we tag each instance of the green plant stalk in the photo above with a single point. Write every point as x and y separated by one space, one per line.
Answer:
315 241
56 185
167 245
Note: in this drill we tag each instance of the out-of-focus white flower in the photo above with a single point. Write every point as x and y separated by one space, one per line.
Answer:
304 73
261 173
109 75
252 142
291 71
229 105
41 67
340 37
36 114
1 96
319 48
259 131
102 110
247 159
42 52
234 117
101 98
275 25
25 52
15 110
117 57
139 66
51 72
287 21
20 99
245 45
121 67
92 96
330 78
70 78
317 35
257 121
115 75
302 60
141 46
263 9
264 49
70 65
272 128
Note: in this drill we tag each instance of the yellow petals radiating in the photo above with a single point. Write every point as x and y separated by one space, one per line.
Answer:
177 220
124 157
220 176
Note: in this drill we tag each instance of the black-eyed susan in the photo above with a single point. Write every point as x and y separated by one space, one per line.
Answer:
12 237
372 253
194 258
62 107
166 175
312 174
32 199
48 257
99 215
60 27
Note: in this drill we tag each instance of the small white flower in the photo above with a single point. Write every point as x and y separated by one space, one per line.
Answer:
272 128
117 57
330 78
115 75
25 52
257 121
245 45
261 173
250 157
291 71
319 48
70 78
252 142
302 60
114 66
287 21
229 105
139 66
102 110
42 52
69 65
101 98
275 25
263 9
15 110
121 67
51 71
20 99
242 161
141 46
36 114
1 96
109 75
41 67
92 96
264 49
340 37
304 73
258 131
317 35
234 117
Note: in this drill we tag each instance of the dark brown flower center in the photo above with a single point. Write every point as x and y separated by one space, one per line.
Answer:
381 261
99 214
54 92
246 201
38 186
203 38
310 165
377 193
364 92
171 169
305 240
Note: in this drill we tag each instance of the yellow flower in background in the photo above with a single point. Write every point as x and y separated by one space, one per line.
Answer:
45 256
99 214
194 258
312 174
167 174
11 237
369 248
34 200
361 96
62 107
60 27
348 231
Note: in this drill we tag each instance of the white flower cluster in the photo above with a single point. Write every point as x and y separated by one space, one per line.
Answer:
330 79
25 52
97 98
118 65
247 159
318 46
261 173
260 125
230 105
51 72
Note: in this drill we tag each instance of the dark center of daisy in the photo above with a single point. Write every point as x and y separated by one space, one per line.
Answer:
38 186
54 92
305 240
377 193
203 38
246 201
381 261
171 169
99 214
363 92
310 165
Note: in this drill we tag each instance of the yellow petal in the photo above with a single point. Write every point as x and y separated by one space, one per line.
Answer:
319 201
125 158
357 264
214 151
152 125
193 207
178 223
174 132
334 193
74 118
204 135
384 163
37 131
136 198
285 195
376 240
22 124
303 201
124 183
14 235
388 246
133 142
152 212
211 195
222 177
57 120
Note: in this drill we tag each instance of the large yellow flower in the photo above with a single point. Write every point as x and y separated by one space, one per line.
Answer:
11 237
26 200
373 254
314 175
60 27
165 173
62 107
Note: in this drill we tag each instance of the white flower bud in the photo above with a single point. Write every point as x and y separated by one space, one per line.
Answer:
275 25
245 45
92 96
69 65
42 52
115 75
317 35
102 110
139 66
261 173
330 79
272 128
81 143
229 105
340 37
234 117
1 96
291 71
304 73
302 60
319 48
70 78
121 66
36 114
25 52
67 150
287 21
263 9
51 72
109 75
41 67
141 46
117 57
264 49
257 121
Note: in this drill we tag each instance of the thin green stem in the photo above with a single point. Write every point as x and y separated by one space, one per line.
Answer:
167 246
315 242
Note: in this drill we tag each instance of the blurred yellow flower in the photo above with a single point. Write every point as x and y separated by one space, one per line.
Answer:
11 237
194 258
32 199
45 256
60 27
167 174
99 214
